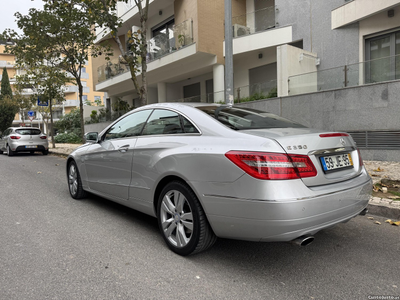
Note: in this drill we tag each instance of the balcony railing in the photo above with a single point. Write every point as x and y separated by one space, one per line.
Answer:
372 71
256 21
163 44
242 94
111 69
71 102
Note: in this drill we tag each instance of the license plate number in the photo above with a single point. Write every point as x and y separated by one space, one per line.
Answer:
30 146
336 162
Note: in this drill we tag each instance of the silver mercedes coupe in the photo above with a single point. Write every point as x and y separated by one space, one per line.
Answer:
207 171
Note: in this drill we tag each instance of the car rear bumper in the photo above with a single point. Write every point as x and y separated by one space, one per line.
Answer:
285 220
26 148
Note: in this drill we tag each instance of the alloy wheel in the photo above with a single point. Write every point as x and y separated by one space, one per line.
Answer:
176 218
73 179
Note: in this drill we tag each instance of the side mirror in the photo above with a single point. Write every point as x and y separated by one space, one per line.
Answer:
91 137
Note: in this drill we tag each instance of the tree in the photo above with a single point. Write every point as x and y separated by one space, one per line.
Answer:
8 108
60 34
135 55
5 84
24 102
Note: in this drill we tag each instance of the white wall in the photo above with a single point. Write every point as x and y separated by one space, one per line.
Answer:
289 64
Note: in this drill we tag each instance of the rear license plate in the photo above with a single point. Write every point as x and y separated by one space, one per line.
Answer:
336 162
30 146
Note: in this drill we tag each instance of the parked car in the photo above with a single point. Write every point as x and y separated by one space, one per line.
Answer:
207 171
23 139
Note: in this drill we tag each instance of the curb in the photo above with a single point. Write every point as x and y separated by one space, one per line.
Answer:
384 211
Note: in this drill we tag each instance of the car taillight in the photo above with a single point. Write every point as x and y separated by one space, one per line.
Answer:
43 137
273 166
15 137
333 134
360 160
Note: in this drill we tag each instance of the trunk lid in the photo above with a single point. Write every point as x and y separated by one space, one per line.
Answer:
333 154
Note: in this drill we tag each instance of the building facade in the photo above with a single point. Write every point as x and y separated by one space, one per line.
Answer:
331 64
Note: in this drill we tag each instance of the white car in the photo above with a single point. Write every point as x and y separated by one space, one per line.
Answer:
23 139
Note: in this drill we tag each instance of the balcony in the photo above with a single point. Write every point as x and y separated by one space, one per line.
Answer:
164 44
74 89
357 10
258 30
123 7
71 103
256 21
158 47
129 14
368 72
7 64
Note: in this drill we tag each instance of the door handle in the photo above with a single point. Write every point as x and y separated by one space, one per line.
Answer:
123 148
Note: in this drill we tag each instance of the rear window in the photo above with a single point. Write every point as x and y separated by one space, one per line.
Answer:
28 131
239 118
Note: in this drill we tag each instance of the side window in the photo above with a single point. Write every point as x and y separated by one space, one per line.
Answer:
129 126
188 126
163 121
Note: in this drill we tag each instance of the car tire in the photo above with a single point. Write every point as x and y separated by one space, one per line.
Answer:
74 182
9 151
182 221
45 152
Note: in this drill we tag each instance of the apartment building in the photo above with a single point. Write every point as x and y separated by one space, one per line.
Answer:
322 61
90 96
185 52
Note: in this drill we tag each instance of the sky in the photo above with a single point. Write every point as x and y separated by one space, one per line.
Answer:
9 8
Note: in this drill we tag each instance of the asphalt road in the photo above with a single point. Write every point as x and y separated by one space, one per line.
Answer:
54 247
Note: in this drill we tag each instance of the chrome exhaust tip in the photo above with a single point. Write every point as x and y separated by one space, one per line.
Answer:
303 240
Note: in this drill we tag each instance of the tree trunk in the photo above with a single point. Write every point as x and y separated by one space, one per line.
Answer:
52 124
80 87
143 52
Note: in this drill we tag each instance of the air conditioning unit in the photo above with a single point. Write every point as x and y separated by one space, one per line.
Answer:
240 30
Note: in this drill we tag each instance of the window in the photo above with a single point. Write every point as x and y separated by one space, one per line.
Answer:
97 100
383 58
247 118
57 114
28 131
83 69
189 127
163 38
165 28
163 121
129 126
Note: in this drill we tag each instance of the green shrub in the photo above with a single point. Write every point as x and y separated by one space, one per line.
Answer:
69 138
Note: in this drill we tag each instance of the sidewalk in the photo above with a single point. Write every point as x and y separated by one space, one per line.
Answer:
377 206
